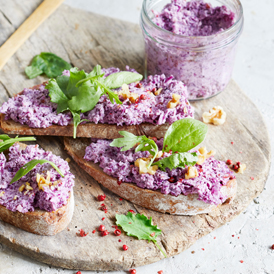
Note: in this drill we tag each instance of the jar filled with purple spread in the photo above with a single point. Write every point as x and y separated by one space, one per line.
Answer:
195 41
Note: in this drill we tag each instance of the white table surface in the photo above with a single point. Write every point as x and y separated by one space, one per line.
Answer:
253 230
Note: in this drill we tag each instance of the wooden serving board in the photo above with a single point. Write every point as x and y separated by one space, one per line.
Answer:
86 39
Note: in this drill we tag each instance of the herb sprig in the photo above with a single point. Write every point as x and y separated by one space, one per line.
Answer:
139 226
48 63
80 92
182 136
8 142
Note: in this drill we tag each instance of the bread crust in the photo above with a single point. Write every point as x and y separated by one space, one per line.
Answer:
155 200
89 130
39 221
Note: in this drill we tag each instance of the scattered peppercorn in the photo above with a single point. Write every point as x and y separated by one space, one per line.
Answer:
117 232
101 228
101 197
192 252
78 272
160 272
119 182
171 179
203 249
272 247
152 234
103 218
252 178
132 211
142 97
104 233
93 231
119 240
137 101
125 247
120 199
228 162
132 271
232 143
241 261
81 233
138 85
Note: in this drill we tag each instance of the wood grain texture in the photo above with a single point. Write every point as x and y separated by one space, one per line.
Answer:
85 39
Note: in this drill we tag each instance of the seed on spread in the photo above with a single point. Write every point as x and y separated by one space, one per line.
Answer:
104 233
101 228
215 116
101 197
174 101
157 92
125 247
138 85
191 173
132 271
142 97
117 232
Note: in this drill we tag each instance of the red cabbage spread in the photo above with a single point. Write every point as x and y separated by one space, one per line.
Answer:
204 71
51 198
212 173
34 108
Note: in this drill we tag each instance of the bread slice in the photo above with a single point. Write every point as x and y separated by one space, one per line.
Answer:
89 130
155 200
39 221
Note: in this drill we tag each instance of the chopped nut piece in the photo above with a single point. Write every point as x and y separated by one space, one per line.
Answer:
191 173
68 160
15 197
157 92
174 101
185 110
21 188
28 187
241 168
159 154
204 155
215 116
127 94
42 182
142 163
2 193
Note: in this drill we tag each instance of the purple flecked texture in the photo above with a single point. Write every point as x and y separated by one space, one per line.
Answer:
49 199
33 107
212 173
194 18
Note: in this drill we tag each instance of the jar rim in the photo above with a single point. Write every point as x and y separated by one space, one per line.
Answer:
227 31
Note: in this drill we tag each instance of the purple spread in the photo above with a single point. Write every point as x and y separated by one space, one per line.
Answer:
50 198
200 55
33 107
213 174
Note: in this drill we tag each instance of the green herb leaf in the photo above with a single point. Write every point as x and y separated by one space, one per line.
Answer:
177 160
31 165
116 80
130 140
76 122
48 63
139 226
111 95
8 142
184 135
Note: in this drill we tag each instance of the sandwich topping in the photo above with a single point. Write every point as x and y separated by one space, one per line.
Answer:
42 187
146 101
176 170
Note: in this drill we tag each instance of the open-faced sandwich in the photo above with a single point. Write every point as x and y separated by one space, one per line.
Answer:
166 175
36 188
98 104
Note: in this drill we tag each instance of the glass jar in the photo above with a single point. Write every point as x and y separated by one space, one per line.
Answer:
203 63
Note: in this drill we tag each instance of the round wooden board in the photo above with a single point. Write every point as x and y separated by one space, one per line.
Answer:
87 39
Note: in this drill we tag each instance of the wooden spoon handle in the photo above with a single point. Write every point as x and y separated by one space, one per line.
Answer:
46 8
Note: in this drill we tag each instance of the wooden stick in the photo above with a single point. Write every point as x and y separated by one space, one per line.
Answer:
18 38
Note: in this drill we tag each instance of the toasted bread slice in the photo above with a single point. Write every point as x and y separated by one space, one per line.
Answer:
39 221
155 200
89 130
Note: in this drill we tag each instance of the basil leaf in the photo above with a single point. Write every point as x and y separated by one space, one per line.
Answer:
177 160
128 142
184 135
8 142
31 165
139 226
48 63
116 80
